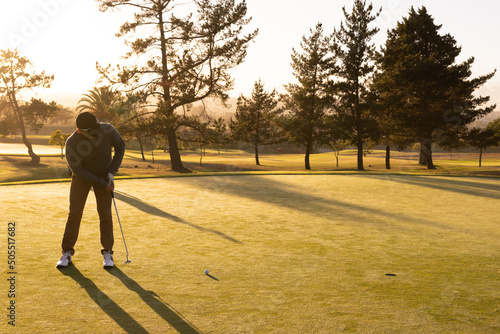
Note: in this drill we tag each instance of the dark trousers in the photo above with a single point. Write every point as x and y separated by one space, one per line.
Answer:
77 198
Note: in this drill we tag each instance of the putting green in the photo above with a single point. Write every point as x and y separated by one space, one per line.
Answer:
286 254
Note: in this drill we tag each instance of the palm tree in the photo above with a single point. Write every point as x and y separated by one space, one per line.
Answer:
99 101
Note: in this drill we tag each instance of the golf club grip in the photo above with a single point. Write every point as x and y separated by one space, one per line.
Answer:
112 194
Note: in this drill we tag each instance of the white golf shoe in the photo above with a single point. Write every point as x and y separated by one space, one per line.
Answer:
64 261
108 260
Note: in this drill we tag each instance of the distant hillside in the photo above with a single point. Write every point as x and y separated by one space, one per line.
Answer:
212 106
215 109
69 100
481 123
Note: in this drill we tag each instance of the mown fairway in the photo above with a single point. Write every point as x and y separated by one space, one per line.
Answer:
286 254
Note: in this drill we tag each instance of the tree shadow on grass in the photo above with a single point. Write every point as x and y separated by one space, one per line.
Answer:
26 170
290 197
160 307
22 169
451 184
141 205
112 309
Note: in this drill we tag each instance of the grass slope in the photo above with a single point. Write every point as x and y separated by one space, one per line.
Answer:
286 254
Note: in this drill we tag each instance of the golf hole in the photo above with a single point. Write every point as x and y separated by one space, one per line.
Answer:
390 274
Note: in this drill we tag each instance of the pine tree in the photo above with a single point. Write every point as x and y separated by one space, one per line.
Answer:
433 94
481 139
354 55
308 101
386 108
186 58
255 119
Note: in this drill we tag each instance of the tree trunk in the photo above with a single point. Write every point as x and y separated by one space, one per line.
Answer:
428 154
358 126
175 156
141 147
201 154
422 160
256 146
35 159
360 156
387 157
306 159
480 155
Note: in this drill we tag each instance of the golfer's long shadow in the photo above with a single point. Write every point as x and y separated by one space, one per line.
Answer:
112 309
164 310
137 203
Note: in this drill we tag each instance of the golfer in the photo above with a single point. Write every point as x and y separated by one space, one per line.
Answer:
90 158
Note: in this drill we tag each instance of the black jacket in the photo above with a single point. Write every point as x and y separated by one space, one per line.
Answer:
89 153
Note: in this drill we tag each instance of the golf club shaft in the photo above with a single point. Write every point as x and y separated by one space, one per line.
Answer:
121 229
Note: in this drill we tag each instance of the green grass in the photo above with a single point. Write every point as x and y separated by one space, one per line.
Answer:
287 254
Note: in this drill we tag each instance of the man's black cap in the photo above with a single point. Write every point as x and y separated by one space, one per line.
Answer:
86 120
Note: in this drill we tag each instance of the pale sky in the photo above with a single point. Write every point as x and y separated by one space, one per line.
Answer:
67 37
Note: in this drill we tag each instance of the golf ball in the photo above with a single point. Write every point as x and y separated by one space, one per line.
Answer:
206 271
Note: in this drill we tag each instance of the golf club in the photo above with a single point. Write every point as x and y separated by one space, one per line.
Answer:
117 216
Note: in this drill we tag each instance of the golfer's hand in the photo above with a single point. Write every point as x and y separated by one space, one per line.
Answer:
111 180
